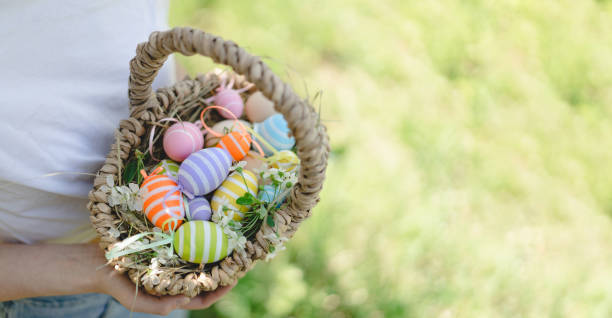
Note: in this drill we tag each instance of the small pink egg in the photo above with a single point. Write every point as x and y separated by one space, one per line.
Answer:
258 108
181 140
231 100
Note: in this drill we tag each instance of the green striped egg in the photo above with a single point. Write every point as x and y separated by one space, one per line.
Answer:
170 168
201 242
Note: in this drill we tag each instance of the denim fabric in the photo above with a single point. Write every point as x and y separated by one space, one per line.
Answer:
81 306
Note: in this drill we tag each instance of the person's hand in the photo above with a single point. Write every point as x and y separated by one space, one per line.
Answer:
117 285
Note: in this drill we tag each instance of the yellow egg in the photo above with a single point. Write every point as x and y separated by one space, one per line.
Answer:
286 160
235 186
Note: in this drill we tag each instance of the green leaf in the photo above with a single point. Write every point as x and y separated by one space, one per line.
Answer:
246 199
270 220
131 171
239 169
272 248
289 184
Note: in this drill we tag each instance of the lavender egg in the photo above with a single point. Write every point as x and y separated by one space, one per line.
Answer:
203 171
198 208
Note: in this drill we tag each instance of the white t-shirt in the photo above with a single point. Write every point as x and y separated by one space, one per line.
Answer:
64 68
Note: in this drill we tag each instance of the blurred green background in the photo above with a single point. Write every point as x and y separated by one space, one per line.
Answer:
471 173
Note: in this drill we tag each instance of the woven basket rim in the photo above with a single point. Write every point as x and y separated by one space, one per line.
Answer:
147 106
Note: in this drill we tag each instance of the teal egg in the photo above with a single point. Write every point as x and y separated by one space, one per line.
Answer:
275 131
267 194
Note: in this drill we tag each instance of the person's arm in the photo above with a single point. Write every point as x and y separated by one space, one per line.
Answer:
49 270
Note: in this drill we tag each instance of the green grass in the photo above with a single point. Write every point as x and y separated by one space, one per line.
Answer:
471 173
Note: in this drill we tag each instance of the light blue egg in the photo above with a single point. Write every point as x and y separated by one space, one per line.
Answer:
275 131
268 193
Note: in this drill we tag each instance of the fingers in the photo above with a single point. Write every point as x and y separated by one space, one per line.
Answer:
206 300
164 305
124 291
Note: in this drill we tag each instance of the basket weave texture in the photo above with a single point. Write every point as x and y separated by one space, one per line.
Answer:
184 99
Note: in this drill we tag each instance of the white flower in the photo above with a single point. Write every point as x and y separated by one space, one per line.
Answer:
270 172
133 187
240 164
104 188
231 228
277 244
221 217
127 197
154 263
151 277
290 177
271 237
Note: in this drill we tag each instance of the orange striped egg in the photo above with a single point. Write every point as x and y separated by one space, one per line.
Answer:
157 190
224 127
236 143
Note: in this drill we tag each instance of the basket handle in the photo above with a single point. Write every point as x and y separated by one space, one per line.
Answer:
312 142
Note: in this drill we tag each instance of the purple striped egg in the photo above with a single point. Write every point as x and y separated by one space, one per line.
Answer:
198 208
203 171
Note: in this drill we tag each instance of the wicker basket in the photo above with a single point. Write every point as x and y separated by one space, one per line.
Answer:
185 100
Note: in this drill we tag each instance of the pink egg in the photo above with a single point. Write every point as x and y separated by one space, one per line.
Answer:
181 140
231 100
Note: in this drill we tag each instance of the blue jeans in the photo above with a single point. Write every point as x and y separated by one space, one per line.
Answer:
81 306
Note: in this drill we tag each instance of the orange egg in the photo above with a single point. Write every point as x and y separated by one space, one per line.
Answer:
236 143
160 190
224 127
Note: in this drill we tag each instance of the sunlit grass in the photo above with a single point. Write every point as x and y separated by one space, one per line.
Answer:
471 145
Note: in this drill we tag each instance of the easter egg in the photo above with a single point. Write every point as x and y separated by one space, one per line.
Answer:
198 208
169 168
231 189
181 140
254 162
258 108
275 131
163 202
268 194
201 242
203 171
231 100
236 143
224 127
286 160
